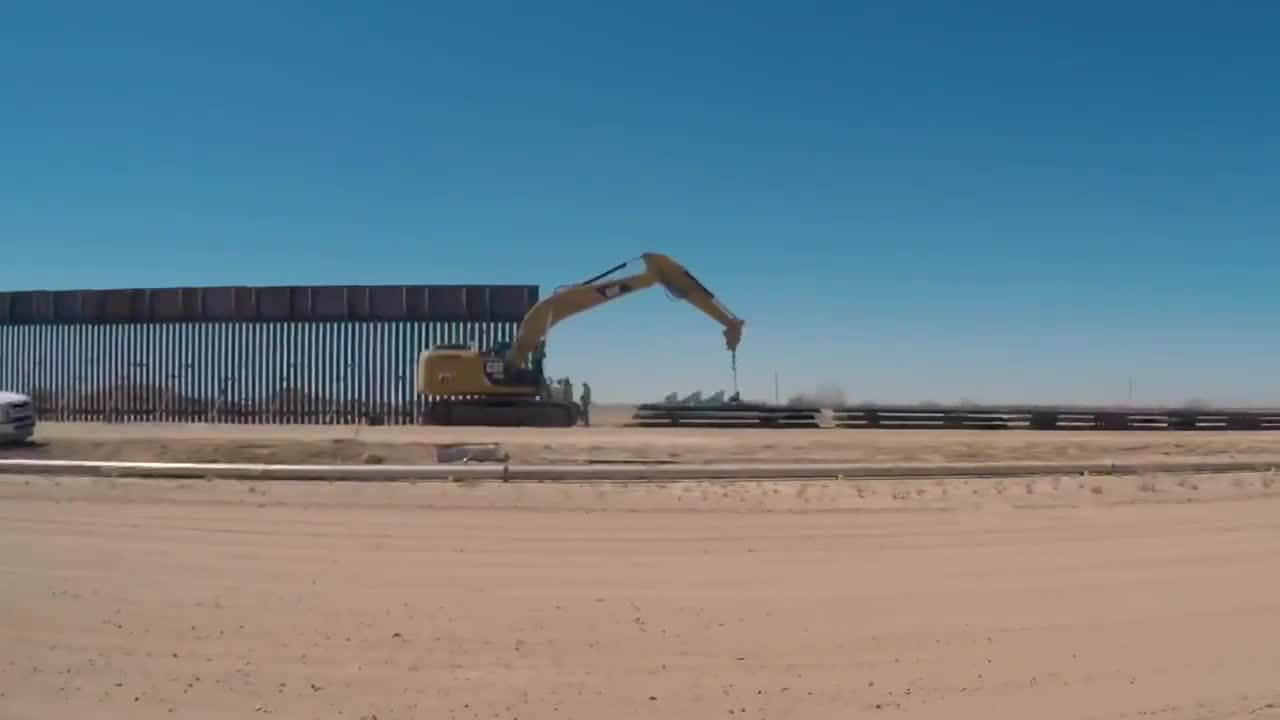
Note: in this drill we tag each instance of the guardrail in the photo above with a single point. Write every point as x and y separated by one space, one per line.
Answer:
678 472
955 418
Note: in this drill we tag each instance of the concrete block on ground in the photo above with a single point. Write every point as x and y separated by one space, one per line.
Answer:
471 452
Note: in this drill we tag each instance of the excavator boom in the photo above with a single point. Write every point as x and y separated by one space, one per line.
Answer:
659 270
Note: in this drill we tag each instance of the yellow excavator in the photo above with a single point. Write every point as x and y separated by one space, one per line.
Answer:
498 387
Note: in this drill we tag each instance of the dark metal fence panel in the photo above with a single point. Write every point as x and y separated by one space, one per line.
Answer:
243 355
330 303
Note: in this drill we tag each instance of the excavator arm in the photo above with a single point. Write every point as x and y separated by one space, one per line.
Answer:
659 270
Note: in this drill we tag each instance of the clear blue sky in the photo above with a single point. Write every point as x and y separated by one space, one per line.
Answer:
920 201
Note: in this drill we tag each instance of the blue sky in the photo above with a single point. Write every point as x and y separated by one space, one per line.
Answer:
1000 201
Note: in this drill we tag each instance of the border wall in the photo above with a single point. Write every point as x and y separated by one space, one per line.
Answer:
278 355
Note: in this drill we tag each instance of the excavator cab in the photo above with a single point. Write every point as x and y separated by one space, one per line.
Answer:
500 371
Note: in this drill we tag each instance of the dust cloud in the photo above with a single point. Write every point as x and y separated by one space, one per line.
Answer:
826 395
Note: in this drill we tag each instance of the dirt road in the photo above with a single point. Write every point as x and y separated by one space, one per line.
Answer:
1151 597
321 444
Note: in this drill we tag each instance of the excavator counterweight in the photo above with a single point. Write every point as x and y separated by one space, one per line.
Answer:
498 387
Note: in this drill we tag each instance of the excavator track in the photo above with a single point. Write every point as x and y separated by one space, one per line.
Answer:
505 412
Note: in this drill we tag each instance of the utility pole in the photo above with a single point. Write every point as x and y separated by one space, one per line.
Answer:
776 398
1131 390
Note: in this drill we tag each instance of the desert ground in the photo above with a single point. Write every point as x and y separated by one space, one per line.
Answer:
1071 597
609 443
1050 597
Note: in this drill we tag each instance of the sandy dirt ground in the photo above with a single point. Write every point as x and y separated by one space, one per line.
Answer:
328 444
1047 598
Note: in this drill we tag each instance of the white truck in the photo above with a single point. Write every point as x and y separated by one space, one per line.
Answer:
17 417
